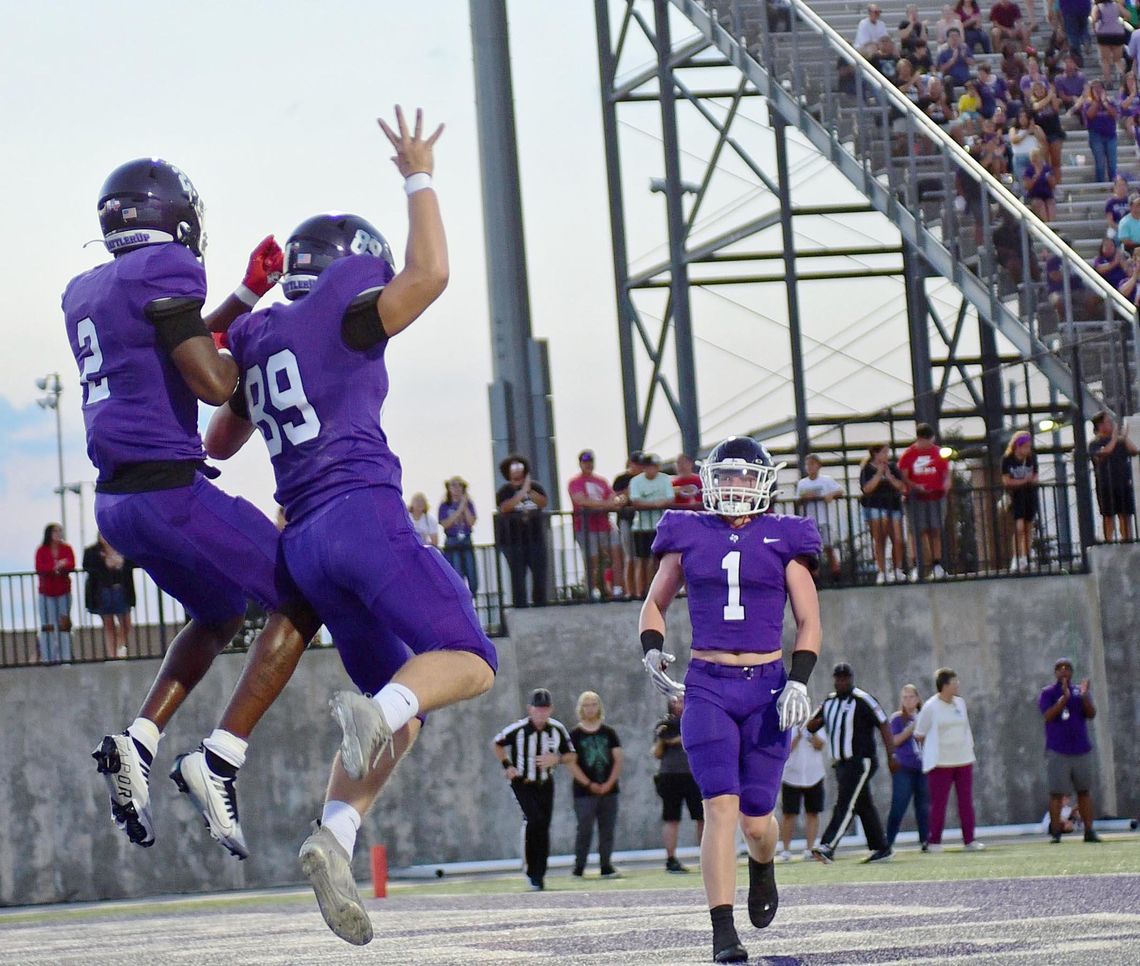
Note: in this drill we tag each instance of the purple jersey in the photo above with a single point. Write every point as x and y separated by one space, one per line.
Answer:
136 405
316 401
735 575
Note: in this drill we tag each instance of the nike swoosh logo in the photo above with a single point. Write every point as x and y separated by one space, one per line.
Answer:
775 690
771 539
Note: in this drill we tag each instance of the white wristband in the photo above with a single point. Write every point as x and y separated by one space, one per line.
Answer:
417 182
246 296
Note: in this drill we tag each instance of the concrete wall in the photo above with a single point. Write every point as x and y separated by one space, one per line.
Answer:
449 801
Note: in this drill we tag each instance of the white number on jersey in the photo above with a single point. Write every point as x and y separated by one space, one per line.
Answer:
95 390
730 563
281 389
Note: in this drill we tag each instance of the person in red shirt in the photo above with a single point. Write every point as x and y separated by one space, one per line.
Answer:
686 485
926 472
55 560
1005 15
593 499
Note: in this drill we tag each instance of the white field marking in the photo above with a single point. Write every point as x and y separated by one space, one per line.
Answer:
1061 952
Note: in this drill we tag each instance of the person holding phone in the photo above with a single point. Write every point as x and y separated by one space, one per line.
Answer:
1068 750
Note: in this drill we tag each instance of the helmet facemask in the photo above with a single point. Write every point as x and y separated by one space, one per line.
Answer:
738 488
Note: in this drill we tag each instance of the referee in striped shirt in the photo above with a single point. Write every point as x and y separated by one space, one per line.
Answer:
852 716
529 751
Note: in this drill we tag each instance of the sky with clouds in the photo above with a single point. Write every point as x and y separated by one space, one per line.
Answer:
270 107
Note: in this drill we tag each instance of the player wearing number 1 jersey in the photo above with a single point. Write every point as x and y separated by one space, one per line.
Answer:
145 358
741 565
314 380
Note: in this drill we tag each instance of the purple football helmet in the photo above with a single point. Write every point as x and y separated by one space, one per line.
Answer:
149 201
737 478
319 241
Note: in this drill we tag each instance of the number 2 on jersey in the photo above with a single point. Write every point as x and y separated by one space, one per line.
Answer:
96 389
730 563
283 394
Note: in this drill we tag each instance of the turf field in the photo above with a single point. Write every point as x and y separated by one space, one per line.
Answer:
1018 903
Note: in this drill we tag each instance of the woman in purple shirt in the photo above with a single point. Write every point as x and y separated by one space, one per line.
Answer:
457 517
909 781
1099 114
1109 263
1117 205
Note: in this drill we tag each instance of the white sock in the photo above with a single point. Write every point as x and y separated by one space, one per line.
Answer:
342 820
398 704
146 733
227 746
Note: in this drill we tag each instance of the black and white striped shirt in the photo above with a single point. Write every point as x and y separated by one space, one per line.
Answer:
851 722
524 743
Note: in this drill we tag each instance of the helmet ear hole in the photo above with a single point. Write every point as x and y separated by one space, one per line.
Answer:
184 230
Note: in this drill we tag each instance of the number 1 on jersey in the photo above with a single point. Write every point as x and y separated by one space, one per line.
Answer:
730 563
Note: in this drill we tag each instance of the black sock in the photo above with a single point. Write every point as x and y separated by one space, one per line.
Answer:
219 766
724 928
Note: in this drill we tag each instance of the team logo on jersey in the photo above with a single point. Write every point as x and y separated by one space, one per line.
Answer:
733 537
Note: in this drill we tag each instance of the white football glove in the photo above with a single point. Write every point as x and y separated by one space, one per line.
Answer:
793 706
656 662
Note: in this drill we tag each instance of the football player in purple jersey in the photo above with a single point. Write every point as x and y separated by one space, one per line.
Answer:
145 359
313 382
741 565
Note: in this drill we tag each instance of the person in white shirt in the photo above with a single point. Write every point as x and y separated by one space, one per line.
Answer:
802 781
948 758
815 493
870 31
426 526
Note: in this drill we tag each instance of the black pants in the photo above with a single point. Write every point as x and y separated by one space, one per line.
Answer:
522 556
536 799
604 810
854 798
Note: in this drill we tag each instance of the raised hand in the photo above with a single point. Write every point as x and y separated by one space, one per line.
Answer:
413 152
264 268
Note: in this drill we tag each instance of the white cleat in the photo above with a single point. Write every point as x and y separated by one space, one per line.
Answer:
121 763
215 797
328 867
366 733
938 572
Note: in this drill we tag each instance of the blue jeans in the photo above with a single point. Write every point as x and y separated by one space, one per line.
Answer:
1076 29
1103 148
54 644
461 556
907 783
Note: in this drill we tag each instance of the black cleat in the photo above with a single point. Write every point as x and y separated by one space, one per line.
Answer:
763 899
731 954
674 865
1091 836
1054 835
880 855
824 854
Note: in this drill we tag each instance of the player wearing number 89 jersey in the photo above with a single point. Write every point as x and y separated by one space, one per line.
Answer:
741 566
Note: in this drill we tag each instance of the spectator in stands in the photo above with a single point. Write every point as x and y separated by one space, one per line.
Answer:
425 525
936 104
950 21
1056 48
1086 304
1117 205
1128 228
1128 104
1013 69
992 149
909 782
927 474
802 782
911 30
1132 51
626 514
520 529
1068 750
109 593
1070 83
970 103
779 16
1111 453
686 484
1033 75
650 493
457 517
1075 17
1040 181
882 487
948 758
1099 115
1129 285
972 31
593 499
596 771
675 783
1025 139
954 60
1111 35
1019 477
885 59
870 31
1007 24
921 58
906 80
1046 109
815 498
992 90
1110 261
55 560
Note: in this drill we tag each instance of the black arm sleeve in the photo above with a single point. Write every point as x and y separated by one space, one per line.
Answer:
237 401
175 320
362 328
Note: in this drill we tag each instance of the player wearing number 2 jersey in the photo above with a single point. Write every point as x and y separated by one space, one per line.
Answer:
145 358
741 566
314 380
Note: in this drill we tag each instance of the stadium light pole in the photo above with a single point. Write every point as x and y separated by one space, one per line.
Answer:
77 489
52 387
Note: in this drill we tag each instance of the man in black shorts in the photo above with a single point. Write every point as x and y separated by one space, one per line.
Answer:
675 783
1112 453
802 785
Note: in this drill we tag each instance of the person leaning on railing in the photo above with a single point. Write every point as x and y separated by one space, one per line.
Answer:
1019 477
520 529
55 560
1111 453
109 592
882 488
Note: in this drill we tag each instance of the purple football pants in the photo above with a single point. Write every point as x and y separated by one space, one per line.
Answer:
209 550
731 732
382 594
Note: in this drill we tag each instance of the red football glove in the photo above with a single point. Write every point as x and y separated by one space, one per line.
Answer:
221 340
264 267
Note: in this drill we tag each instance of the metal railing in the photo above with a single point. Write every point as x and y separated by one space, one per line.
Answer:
913 171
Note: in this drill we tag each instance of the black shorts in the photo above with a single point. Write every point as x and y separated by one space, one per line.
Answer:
1023 503
643 543
812 798
1116 500
676 789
